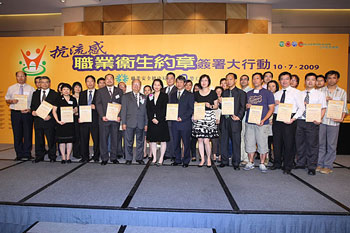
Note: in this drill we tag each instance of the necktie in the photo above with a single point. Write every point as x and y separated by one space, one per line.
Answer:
21 89
90 98
137 99
306 100
178 95
283 98
168 90
110 91
44 96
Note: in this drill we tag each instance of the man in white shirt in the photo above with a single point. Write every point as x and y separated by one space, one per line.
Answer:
307 132
284 132
329 129
21 119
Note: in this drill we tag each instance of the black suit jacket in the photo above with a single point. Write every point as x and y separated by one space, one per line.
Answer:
51 98
186 107
174 89
83 100
157 111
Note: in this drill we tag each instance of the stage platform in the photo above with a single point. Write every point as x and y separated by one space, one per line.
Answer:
144 198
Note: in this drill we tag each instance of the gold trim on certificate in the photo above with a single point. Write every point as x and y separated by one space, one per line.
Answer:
313 112
284 112
22 103
172 111
113 111
199 111
335 109
85 113
255 113
44 109
228 106
67 114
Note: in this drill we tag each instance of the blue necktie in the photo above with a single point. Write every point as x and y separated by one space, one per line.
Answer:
90 98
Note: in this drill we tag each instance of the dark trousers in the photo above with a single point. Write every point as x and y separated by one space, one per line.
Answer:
306 138
120 150
129 143
185 135
108 129
22 127
229 131
76 144
85 130
41 132
193 147
169 152
283 143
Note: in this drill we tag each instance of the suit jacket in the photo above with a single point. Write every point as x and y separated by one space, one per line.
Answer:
83 100
174 89
186 108
103 98
157 111
134 116
51 98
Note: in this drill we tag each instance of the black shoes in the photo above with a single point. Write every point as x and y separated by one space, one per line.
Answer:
174 164
104 163
128 162
83 161
311 172
69 161
236 168
287 172
222 165
52 160
63 161
184 165
200 165
115 161
274 167
299 167
140 162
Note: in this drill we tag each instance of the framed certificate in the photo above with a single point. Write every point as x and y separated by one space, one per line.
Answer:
113 111
44 109
22 103
67 114
284 112
199 111
85 113
255 113
172 111
217 114
228 106
313 112
335 109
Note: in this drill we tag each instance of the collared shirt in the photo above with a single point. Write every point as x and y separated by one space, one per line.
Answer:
15 89
181 92
168 89
92 94
293 96
337 94
248 88
315 97
42 93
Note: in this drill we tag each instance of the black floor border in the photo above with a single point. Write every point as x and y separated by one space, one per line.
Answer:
49 184
229 196
136 186
4 168
341 165
321 192
30 227
122 228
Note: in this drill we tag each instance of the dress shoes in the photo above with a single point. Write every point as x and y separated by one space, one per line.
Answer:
128 162
115 161
287 172
69 161
140 162
63 161
236 168
222 165
299 167
174 164
83 161
37 160
274 167
52 160
104 163
184 165
311 172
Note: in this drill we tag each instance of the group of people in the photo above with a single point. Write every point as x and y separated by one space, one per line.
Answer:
295 143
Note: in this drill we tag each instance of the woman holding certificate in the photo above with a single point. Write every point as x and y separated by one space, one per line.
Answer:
204 124
158 130
63 114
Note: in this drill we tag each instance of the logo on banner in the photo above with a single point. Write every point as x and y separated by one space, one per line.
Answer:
32 62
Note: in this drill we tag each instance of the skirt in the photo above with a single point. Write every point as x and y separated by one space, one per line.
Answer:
206 128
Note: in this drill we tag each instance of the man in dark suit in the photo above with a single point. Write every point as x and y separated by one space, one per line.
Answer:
88 97
181 128
231 125
134 122
44 127
108 128
169 90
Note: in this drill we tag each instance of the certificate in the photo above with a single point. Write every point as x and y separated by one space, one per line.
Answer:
284 112
255 113
228 105
113 111
44 109
22 103
85 113
335 109
172 111
217 114
313 112
67 114
199 111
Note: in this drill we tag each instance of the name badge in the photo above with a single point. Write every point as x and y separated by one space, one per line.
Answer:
142 101
70 102
117 96
256 91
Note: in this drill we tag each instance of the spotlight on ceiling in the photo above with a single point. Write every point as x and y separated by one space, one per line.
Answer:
63 1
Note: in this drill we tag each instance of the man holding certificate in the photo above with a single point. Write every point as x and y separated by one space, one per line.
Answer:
44 123
260 106
307 132
19 97
182 126
231 124
284 122
336 110
108 104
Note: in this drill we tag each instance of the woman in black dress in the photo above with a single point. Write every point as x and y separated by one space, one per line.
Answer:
205 129
65 131
158 130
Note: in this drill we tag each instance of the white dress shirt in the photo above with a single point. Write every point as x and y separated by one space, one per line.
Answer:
293 96
168 89
15 89
92 93
42 93
315 97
